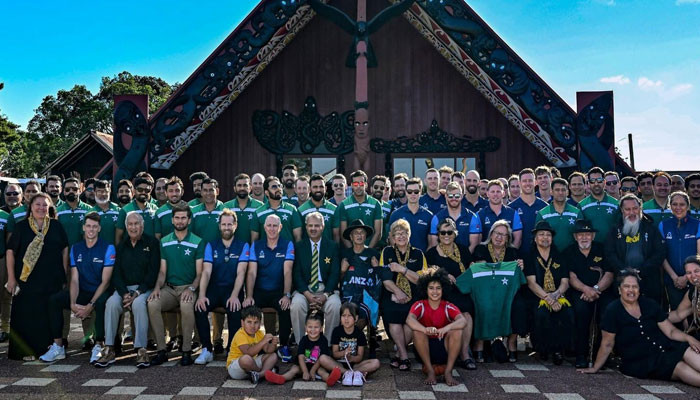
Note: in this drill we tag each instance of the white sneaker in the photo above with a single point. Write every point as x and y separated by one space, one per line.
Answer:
358 379
205 357
347 378
55 352
96 353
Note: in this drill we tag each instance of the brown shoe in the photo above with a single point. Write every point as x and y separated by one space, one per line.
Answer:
142 359
108 357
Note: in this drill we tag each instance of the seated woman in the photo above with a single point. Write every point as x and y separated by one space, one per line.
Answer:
437 326
455 259
402 263
650 346
498 248
689 306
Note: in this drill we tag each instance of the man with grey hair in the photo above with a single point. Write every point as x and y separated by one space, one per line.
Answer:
134 276
256 185
316 276
636 243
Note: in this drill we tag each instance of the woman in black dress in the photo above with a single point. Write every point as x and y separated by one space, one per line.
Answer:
401 263
498 248
649 345
690 305
455 259
38 268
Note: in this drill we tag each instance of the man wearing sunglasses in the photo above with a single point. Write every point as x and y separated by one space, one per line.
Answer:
88 195
599 207
287 213
628 185
141 204
338 184
19 213
465 220
612 184
362 207
658 207
378 189
417 216
13 197
71 213
692 187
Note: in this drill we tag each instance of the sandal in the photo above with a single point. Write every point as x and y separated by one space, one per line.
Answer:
394 362
405 365
513 356
469 364
479 356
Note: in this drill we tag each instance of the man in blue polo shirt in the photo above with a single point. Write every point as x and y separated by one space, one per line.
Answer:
417 217
494 212
269 278
432 200
91 263
221 284
527 206
465 220
472 201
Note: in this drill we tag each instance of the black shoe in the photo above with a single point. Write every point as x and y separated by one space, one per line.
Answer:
117 347
513 356
479 356
88 345
3 337
151 345
160 358
186 358
129 339
581 362
171 345
195 346
219 347
557 358
65 343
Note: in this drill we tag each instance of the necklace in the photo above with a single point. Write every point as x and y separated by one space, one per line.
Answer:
496 256
453 254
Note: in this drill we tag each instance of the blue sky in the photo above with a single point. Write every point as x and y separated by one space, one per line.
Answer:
647 51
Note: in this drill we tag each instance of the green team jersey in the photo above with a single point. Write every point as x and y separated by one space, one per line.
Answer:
330 221
17 215
59 202
148 213
288 214
245 217
603 214
657 213
694 212
194 203
368 211
205 224
492 287
181 257
163 222
108 221
563 224
72 220
4 221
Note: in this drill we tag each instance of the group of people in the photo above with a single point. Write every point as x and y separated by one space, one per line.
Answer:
455 265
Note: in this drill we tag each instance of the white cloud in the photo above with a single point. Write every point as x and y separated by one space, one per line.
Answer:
618 79
658 87
647 84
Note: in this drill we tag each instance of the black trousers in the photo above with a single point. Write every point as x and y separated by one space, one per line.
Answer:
583 316
217 295
271 299
61 301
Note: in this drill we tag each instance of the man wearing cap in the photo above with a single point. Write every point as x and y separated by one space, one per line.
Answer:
590 276
316 274
548 279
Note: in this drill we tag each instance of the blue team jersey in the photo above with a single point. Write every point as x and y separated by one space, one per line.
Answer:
481 203
224 261
527 214
90 261
431 204
681 241
420 224
467 223
488 218
271 263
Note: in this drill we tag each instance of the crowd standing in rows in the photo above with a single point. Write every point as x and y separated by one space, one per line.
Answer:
456 267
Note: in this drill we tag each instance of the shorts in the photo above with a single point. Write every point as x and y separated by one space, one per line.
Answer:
436 348
236 372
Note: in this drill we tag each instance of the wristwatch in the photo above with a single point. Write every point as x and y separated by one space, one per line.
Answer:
92 303
192 288
597 288
289 295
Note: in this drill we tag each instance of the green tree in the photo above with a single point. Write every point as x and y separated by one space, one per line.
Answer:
158 90
9 136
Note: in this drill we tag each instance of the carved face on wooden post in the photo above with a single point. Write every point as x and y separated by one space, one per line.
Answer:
361 122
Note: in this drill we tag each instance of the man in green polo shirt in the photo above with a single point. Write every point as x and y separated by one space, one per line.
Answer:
163 221
599 207
141 204
244 206
108 211
377 188
71 213
53 189
289 215
181 257
197 179
19 213
317 202
205 217
362 207
657 208
560 215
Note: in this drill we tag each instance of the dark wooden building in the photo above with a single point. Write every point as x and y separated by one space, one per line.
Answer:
446 89
90 156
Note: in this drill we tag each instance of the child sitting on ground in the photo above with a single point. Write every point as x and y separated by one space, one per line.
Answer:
348 341
244 358
314 355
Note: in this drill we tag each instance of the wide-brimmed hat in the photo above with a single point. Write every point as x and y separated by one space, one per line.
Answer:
584 225
543 226
355 225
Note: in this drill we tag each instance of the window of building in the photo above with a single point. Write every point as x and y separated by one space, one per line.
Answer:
416 166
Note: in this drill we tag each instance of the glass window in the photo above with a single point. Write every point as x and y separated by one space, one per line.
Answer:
415 166
323 166
404 165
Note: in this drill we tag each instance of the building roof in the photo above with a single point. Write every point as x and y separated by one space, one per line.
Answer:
80 148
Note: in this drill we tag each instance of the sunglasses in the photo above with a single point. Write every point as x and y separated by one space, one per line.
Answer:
378 187
274 187
413 191
454 196
611 183
596 180
12 194
628 189
338 185
143 190
447 233
70 189
357 184
90 189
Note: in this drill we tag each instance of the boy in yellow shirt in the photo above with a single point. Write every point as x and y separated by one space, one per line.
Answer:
244 358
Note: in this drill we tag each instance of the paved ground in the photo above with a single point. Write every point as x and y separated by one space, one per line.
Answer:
74 378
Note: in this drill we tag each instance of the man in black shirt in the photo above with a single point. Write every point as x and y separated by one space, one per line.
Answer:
590 277
134 276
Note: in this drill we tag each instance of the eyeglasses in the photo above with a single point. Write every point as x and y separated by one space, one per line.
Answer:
338 185
274 187
70 189
412 191
611 183
628 189
499 234
11 194
596 180
357 184
143 189
454 196
90 189
375 187
447 233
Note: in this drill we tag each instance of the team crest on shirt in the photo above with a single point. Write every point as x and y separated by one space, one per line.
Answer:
97 260
363 258
421 222
669 235
555 265
487 221
146 248
262 254
520 211
410 260
80 258
597 259
216 254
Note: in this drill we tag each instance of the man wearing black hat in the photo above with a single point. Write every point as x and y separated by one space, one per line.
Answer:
548 278
590 276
